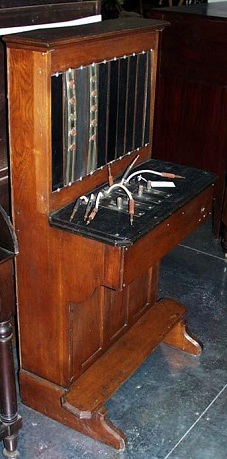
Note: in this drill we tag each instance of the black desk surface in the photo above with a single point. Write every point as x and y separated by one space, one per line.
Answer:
113 227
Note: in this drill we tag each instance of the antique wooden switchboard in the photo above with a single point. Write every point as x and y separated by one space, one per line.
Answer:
91 220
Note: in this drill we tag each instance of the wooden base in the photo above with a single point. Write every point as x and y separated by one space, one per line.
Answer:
81 408
180 338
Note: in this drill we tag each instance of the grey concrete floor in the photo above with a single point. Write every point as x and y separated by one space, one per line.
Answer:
175 405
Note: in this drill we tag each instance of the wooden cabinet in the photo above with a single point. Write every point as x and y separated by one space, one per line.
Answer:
191 98
87 283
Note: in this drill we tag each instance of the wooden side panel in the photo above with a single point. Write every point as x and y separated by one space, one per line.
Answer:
115 313
30 173
44 317
142 293
87 331
65 269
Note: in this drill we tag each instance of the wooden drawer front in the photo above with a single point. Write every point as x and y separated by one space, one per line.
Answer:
157 243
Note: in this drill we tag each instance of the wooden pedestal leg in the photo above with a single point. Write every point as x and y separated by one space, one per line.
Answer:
8 399
180 338
52 402
99 427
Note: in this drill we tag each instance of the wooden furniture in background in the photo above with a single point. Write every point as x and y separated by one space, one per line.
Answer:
10 421
191 97
88 293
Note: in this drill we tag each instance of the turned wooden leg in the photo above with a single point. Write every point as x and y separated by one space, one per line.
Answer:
180 338
8 399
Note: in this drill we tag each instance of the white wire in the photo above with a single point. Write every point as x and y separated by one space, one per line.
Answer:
99 196
119 185
145 171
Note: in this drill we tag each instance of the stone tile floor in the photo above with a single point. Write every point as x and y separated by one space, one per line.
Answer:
175 405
